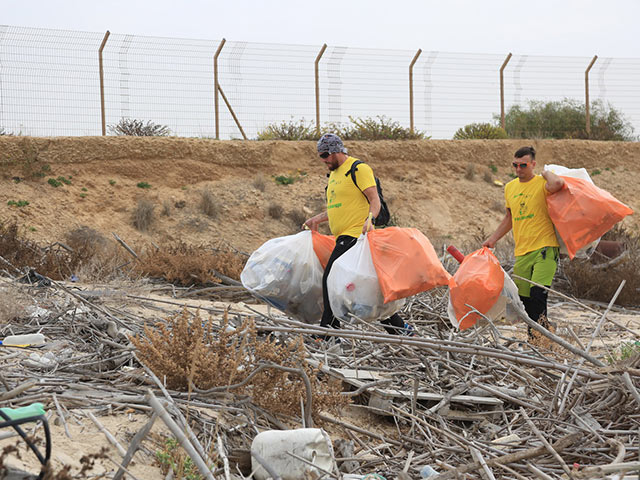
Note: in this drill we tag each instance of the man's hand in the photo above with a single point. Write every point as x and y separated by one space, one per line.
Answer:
554 182
368 225
314 222
489 242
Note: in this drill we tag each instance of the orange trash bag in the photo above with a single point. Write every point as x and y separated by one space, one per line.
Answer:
406 262
323 245
478 282
582 213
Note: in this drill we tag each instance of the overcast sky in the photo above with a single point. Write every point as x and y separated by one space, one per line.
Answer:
534 27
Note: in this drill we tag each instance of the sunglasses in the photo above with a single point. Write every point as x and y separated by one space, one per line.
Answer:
521 165
324 155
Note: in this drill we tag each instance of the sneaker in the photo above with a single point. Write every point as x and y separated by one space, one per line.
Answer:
408 330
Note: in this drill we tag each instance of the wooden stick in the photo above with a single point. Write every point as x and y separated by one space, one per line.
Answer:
107 434
181 437
133 446
61 415
544 441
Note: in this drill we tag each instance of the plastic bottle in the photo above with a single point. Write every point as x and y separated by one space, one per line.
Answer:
428 471
28 339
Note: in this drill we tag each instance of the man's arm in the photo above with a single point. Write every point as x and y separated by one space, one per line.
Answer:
554 182
316 220
374 206
501 231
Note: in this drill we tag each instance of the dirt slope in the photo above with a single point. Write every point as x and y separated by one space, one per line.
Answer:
425 182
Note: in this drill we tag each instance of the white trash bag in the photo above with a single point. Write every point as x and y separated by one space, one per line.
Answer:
587 250
286 273
353 286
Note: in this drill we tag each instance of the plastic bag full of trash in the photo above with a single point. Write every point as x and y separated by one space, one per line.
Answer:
286 273
353 286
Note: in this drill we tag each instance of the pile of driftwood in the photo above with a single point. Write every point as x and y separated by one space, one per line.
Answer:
482 403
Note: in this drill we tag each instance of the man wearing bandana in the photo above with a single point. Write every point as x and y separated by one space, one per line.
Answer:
349 209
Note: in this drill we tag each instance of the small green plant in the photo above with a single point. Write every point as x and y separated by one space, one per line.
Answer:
112 182
285 179
66 181
32 229
625 351
83 195
143 185
475 131
54 183
493 168
513 175
596 172
19 203
173 458
84 189
137 128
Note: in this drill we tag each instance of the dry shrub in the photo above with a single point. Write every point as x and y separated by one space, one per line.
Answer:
297 217
598 278
209 205
53 261
192 349
487 177
12 304
166 207
470 171
143 214
188 265
259 182
275 211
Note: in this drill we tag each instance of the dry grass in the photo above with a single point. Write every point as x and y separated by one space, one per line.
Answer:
275 211
470 171
487 177
188 265
12 304
591 280
259 182
166 207
209 204
297 217
143 215
192 349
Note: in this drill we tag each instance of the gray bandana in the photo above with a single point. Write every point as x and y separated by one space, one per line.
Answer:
331 143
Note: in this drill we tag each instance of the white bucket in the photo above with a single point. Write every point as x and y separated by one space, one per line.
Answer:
275 447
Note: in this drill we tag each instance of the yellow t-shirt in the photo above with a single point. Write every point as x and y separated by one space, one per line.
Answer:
347 206
532 227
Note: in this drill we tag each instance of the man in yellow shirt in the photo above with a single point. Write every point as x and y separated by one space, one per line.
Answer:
536 245
348 210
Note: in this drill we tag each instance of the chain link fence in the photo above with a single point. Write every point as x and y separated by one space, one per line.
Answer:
50 84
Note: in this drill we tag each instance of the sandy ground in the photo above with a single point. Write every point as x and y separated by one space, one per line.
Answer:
426 184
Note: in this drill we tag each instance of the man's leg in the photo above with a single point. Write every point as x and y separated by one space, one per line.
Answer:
394 325
540 267
343 243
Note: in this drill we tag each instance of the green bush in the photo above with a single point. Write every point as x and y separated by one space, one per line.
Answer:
475 131
143 185
379 128
289 131
137 128
567 119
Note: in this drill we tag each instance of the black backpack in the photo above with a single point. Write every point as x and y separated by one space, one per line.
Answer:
384 216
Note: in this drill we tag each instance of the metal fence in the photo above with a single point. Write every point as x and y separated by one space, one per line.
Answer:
50 84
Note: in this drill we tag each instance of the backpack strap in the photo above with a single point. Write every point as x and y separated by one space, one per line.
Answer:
352 171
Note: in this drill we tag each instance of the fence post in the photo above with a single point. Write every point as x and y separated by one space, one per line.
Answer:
317 77
504 64
413 62
216 86
100 66
586 95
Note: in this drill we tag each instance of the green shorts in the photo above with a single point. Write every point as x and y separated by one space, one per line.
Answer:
538 266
